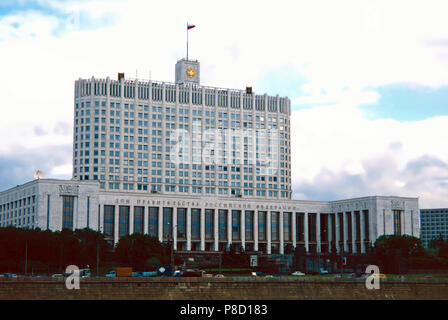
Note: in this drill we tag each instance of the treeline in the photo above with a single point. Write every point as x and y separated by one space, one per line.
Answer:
46 252
403 253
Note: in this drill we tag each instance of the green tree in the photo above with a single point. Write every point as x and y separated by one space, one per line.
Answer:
443 251
152 262
92 245
409 246
134 250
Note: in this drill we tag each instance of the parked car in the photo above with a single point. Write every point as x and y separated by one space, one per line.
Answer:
10 275
177 274
85 273
120 272
297 273
219 276
269 276
323 271
253 274
57 276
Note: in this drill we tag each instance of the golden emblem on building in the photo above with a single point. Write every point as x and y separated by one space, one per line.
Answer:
191 72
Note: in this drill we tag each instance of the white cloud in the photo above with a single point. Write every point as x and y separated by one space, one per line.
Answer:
342 48
335 147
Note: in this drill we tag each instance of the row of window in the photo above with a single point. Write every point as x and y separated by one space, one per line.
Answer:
144 92
234 229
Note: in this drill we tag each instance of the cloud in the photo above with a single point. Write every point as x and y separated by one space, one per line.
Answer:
345 155
39 131
329 57
19 167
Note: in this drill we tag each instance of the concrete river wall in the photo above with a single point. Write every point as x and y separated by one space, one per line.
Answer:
218 289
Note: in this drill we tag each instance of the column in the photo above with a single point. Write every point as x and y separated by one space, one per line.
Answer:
268 231
318 235
403 222
75 213
281 233
145 220
344 217
101 219
330 232
294 231
202 230
116 221
216 229
160 220
189 229
255 230
363 235
353 232
305 231
131 219
337 234
243 229
174 228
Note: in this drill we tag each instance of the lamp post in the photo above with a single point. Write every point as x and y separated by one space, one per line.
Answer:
171 239
26 256
97 256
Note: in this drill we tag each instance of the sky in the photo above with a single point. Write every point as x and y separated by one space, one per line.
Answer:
367 81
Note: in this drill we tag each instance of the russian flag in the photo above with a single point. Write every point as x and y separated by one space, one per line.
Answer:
190 26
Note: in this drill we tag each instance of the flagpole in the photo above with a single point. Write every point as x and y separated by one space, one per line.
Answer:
187 41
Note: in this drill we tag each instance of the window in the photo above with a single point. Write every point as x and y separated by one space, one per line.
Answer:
299 227
138 219
222 224
195 223
249 225
236 224
209 224
397 222
167 222
123 222
262 225
275 226
109 218
67 212
153 221
287 226
181 223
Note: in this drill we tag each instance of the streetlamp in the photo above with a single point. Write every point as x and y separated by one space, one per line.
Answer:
171 240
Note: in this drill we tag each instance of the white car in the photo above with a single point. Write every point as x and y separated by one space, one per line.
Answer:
297 273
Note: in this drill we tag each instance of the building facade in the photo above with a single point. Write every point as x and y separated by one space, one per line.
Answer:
201 223
434 224
204 167
181 138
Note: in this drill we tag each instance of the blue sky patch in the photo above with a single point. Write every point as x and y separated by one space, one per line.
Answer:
406 102
67 21
9 7
285 82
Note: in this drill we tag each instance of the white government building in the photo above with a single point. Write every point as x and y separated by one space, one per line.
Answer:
205 167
